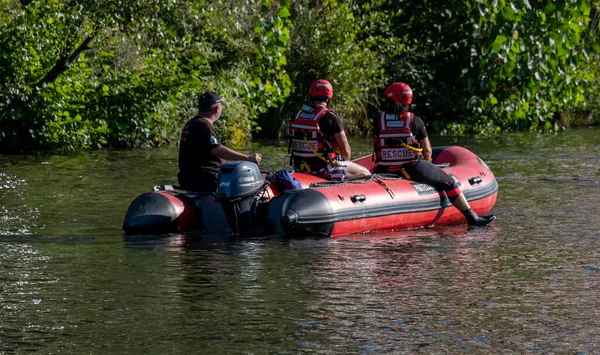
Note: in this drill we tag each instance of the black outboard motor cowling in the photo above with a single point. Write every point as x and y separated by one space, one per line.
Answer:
239 185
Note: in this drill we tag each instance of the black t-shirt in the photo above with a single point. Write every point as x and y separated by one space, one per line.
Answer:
417 127
196 162
329 125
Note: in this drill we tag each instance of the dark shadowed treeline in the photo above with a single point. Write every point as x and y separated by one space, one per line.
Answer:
122 73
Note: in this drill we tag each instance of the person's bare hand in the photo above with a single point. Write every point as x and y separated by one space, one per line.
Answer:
255 157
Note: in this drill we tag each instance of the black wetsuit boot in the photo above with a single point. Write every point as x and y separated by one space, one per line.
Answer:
477 221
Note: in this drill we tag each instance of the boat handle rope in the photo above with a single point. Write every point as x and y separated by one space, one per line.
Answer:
358 180
385 186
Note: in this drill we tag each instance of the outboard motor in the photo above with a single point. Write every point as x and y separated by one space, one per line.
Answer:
239 187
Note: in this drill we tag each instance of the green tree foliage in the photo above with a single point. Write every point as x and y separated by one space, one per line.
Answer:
496 63
331 40
127 72
118 73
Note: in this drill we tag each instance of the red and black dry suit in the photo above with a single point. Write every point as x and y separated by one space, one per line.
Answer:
312 143
391 130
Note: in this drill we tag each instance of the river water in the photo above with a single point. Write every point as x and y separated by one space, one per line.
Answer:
71 282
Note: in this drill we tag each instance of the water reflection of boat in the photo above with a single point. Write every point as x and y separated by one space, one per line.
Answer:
247 203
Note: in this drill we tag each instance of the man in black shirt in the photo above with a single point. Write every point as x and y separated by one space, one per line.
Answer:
200 151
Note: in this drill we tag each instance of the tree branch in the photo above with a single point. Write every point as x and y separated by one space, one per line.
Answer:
62 64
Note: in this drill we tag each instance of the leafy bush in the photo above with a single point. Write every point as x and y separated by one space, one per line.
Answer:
498 64
124 73
330 40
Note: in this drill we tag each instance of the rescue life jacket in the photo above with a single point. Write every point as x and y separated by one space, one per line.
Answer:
306 138
392 147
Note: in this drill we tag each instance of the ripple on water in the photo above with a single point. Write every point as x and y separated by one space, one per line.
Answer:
10 182
16 217
529 284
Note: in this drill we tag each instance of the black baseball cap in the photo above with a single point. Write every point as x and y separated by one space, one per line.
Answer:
208 100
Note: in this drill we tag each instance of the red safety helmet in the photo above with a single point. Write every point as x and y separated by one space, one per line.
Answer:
399 92
321 87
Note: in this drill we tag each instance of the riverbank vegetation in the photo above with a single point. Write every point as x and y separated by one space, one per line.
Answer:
124 73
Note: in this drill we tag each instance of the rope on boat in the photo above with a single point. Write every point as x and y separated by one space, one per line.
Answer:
379 178
357 180
387 188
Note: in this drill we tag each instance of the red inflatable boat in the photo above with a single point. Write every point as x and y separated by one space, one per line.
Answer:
246 202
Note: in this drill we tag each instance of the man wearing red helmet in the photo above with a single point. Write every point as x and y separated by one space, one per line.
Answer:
402 147
318 142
